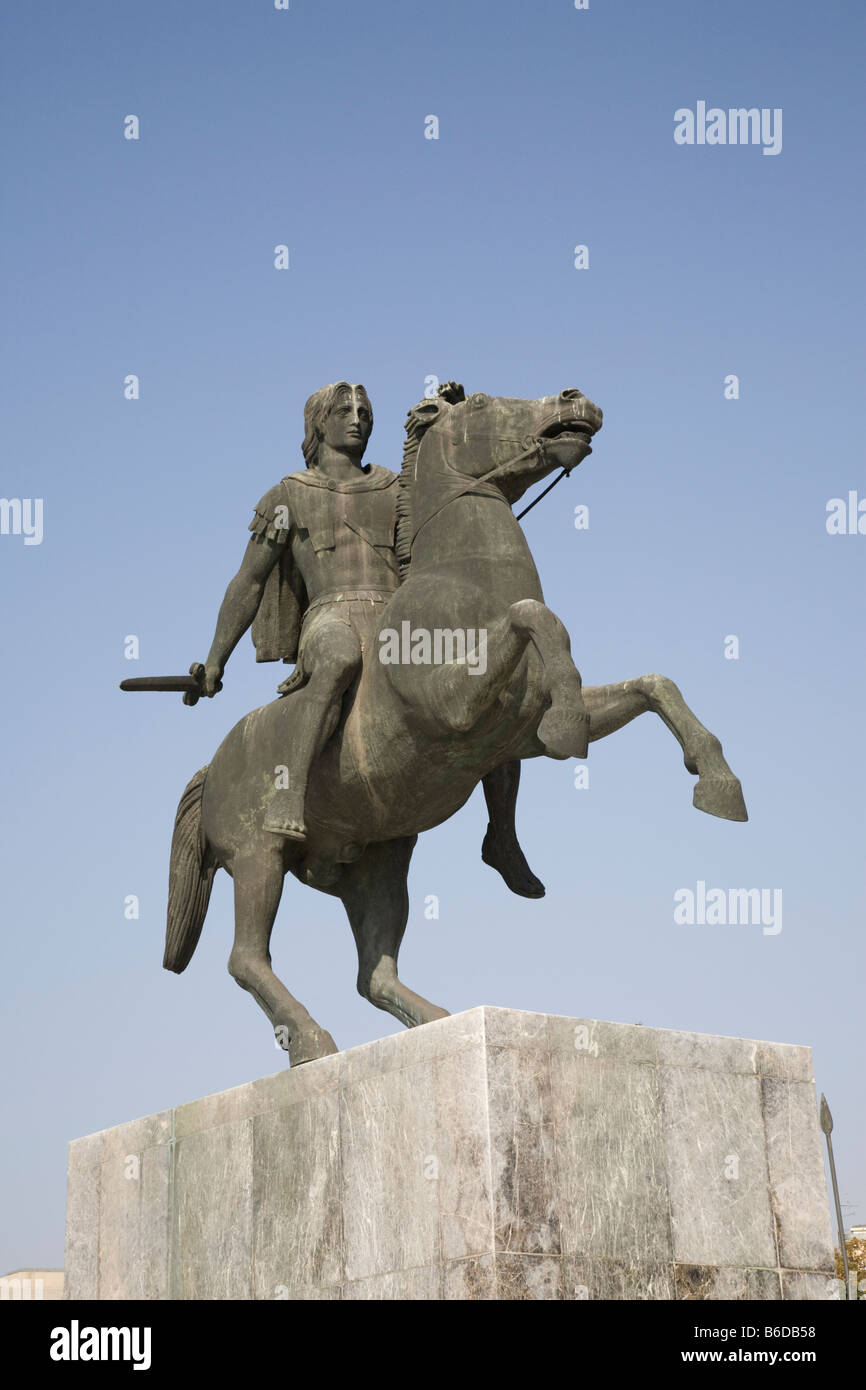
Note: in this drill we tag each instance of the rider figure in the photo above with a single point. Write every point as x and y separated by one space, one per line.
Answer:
317 572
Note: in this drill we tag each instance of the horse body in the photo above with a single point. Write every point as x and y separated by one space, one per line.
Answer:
381 775
415 739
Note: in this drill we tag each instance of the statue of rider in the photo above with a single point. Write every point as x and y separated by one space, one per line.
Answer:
317 571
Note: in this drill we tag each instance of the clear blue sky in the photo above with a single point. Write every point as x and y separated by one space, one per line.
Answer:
412 257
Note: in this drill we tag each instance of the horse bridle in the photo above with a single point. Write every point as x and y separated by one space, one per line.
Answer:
535 445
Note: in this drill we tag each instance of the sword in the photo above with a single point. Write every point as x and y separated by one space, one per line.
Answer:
192 685
827 1126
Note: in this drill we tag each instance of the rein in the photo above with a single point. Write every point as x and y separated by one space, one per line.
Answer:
537 446
566 473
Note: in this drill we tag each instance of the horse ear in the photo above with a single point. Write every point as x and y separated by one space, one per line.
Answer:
422 415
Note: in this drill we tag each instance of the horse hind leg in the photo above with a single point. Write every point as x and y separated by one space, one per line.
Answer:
376 900
258 884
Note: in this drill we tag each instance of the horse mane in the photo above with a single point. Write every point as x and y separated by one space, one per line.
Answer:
415 429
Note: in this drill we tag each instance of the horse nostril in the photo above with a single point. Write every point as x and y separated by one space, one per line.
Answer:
569 394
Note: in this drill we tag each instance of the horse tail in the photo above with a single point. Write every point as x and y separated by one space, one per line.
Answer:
190 879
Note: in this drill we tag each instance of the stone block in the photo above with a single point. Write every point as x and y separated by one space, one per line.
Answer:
494 1155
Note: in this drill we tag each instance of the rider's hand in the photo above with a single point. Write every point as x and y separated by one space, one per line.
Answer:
213 679
567 450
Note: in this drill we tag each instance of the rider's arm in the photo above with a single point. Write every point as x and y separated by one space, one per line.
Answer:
244 593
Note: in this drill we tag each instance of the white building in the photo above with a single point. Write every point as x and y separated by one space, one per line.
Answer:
27 1284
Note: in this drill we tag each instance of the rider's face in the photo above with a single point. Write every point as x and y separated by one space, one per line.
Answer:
349 423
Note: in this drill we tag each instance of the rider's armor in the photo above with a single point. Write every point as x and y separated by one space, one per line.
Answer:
338 562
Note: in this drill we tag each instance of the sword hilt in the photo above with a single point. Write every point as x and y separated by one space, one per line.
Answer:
191 686
192 697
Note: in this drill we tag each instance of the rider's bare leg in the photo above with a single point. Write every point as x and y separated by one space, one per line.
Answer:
501 848
334 659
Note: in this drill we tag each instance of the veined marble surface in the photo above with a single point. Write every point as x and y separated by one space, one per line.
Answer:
495 1154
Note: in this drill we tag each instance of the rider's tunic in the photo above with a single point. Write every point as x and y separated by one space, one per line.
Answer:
338 564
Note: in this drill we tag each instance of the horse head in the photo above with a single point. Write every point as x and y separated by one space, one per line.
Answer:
487 445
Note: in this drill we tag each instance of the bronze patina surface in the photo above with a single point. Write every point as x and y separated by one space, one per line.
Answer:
426 662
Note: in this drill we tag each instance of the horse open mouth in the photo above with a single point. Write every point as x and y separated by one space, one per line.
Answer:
560 427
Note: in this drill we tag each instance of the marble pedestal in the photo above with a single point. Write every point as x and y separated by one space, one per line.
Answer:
495 1154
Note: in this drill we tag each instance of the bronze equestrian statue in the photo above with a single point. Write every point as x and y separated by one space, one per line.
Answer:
388 748
317 572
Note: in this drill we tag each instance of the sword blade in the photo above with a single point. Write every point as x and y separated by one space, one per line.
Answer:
175 683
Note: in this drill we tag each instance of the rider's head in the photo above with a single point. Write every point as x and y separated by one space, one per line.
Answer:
342 416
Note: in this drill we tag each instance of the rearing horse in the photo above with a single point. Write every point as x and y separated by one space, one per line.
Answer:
415 737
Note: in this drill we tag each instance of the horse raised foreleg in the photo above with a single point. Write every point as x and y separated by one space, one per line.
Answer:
376 900
564 728
717 791
258 881
461 692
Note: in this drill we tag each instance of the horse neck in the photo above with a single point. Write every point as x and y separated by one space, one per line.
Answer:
477 528
482 528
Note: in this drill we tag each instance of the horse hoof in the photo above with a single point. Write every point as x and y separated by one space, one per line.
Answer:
308 1047
564 733
720 796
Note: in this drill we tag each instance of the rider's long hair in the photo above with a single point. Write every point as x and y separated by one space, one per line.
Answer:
316 412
